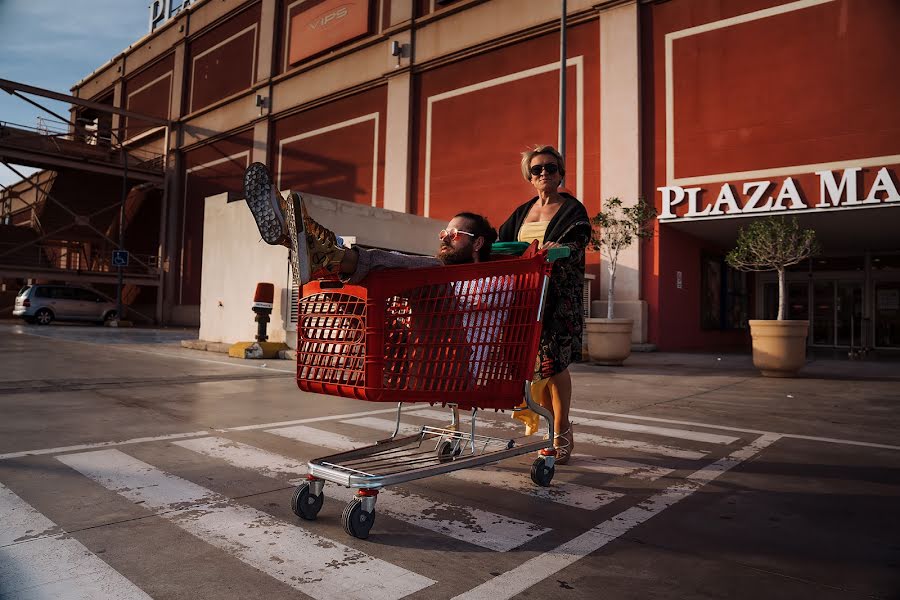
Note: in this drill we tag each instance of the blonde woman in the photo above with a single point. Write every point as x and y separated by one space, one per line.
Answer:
555 219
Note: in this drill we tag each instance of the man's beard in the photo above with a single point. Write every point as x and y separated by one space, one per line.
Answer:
458 256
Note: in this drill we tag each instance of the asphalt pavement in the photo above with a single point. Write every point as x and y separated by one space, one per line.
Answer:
131 467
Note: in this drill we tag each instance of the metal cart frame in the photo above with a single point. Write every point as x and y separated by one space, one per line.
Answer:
429 452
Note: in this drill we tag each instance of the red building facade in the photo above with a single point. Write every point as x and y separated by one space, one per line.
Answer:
423 106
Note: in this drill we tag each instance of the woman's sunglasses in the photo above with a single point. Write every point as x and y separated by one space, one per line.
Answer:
551 168
453 233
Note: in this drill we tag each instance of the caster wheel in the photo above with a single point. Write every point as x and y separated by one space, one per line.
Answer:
305 505
356 521
541 474
445 451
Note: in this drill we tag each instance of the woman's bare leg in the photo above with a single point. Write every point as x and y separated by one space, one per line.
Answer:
560 391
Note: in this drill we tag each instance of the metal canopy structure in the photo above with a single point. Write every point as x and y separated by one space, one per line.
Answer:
65 225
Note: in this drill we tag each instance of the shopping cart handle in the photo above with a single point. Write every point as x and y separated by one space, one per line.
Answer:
517 248
557 253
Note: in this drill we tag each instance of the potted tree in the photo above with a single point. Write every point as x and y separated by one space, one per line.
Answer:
773 244
614 229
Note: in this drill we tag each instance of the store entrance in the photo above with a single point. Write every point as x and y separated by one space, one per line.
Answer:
849 304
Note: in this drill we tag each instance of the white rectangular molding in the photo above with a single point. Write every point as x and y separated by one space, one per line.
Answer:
782 171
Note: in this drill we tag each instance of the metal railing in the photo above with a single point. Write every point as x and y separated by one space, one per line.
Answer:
74 257
56 138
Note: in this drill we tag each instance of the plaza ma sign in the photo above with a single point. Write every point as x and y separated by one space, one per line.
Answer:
833 194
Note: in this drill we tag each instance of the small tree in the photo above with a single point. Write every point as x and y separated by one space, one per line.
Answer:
614 229
773 244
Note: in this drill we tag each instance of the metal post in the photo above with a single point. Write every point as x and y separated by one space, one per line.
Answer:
562 81
119 314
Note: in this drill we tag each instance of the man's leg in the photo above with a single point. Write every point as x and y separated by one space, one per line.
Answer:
359 262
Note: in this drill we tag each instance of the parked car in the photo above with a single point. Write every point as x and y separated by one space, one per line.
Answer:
42 303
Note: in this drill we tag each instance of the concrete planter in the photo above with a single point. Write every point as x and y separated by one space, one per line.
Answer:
608 340
779 347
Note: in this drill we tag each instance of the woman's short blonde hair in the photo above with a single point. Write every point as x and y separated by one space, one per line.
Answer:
527 156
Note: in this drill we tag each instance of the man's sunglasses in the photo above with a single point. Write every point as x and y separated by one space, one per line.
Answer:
453 233
551 168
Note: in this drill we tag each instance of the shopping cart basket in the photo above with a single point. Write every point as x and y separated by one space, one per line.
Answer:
462 335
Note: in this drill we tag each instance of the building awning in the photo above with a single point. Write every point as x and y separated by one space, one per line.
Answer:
846 230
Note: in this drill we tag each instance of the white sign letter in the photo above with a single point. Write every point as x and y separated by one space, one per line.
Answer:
759 188
883 183
790 192
159 12
828 188
726 198
668 201
692 204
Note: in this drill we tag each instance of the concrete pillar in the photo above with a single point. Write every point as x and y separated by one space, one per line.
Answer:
620 147
260 150
266 43
396 156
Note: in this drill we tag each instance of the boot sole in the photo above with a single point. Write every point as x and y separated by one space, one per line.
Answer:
304 271
262 199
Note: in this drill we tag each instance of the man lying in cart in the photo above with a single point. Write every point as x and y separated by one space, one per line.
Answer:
317 253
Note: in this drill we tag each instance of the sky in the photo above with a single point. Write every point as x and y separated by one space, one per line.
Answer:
54 44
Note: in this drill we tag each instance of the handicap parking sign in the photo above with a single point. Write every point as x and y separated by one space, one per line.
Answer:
120 258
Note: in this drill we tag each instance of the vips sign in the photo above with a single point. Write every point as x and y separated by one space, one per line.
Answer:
834 193
326 25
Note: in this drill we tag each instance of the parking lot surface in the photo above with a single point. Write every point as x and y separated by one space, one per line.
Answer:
133 468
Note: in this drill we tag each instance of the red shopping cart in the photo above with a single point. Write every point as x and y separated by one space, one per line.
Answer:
462 335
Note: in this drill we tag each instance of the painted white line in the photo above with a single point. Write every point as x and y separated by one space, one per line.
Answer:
60 449
615 466
312 564
645 447
696 436
795 436
537 569
39 560
580 437
248 457
479 527
318 437
176 436
311 420
561 492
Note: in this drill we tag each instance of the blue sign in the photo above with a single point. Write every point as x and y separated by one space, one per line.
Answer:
120 258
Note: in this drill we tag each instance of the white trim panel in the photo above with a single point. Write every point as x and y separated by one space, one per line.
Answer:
785 171
333 127
576 61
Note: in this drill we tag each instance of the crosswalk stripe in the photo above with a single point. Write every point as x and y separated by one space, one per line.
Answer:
539 568
39 560
310 563
562 492
695 436
472 525
510 424
615 466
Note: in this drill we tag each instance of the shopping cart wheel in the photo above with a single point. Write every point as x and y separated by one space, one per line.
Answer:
445 451
304 504
541 474
356 521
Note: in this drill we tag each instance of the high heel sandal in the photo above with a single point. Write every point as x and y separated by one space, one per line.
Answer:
564 449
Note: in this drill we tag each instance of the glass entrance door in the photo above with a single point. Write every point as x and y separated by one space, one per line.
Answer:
887 314
837 313
848 313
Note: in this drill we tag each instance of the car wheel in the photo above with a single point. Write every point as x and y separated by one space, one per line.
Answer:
43 316
110 316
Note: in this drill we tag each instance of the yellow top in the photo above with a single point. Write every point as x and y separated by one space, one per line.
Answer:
533 231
